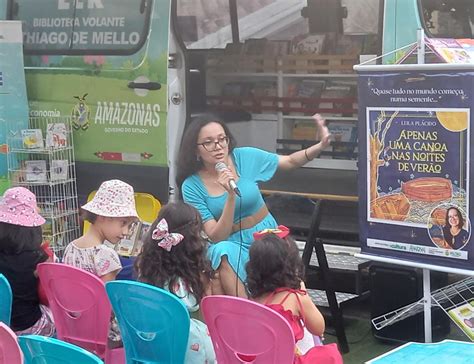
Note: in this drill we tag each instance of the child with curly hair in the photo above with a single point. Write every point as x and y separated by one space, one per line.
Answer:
275 276
174 258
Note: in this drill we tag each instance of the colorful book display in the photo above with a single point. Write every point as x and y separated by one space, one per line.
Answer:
32 138
36 171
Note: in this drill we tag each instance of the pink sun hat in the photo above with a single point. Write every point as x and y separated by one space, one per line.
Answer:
114 198
18 207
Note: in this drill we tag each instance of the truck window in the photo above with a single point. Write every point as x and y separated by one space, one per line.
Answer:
448 18
204 24
82 26
282 20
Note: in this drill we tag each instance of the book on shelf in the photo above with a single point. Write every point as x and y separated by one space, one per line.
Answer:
132 245
59 169
32 138
36 171
308 44
335 90
463 315
343 132
304 131
310 88
264 88
56 135
305 89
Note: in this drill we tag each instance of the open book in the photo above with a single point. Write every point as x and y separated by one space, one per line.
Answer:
132 245
449 50
464 317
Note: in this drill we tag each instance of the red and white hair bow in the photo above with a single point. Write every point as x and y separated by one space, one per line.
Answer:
166 239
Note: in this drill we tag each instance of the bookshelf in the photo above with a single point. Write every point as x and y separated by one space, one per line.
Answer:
41 158
281 104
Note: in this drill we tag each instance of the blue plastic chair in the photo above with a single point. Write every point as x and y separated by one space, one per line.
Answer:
40 349
6 297
154 323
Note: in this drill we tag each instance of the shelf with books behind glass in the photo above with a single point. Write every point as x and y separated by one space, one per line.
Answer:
336 100
41 158
301 83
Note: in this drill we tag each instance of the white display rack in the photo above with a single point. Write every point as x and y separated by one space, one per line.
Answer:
41 158
447 298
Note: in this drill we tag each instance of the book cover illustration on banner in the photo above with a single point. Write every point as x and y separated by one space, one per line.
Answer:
417 171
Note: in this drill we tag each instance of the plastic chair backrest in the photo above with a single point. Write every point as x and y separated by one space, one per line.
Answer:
10 352
80 306
243 331
154 323
147 207
6 298
40 349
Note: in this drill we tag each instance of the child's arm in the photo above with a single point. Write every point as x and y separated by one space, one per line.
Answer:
107 264
109 276
314 321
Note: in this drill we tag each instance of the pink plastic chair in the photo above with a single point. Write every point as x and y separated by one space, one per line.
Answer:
243 331
10 352
80 307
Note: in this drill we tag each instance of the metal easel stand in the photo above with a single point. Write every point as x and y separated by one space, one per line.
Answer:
446 298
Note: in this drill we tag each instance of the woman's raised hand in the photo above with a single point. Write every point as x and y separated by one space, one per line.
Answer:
322 132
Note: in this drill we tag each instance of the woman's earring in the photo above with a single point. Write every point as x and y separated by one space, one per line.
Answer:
198 158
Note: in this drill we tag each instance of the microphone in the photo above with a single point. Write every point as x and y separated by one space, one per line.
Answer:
220 166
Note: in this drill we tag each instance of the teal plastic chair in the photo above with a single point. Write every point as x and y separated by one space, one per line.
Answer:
40 349
6 297
154 323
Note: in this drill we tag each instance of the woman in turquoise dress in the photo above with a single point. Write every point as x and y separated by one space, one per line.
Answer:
230 220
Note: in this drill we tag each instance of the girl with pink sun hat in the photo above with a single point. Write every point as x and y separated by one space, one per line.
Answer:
20 253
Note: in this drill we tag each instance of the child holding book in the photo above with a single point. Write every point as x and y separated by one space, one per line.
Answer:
174 258
111 213
275 275
20 253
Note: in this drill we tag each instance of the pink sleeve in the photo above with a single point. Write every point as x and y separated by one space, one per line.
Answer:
106 261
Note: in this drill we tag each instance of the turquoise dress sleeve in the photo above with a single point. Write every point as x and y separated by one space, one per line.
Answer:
253 166
195 193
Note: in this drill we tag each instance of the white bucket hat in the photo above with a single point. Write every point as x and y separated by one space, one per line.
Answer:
114 198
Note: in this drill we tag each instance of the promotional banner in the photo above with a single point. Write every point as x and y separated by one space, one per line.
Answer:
414 165
104 63
13 99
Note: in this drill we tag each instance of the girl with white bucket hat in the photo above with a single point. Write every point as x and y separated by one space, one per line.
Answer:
112 213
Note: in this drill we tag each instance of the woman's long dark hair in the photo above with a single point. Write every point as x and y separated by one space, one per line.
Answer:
187 163
15 239
274 263
186 260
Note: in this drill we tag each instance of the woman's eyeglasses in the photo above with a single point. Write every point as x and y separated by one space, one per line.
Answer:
211 145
